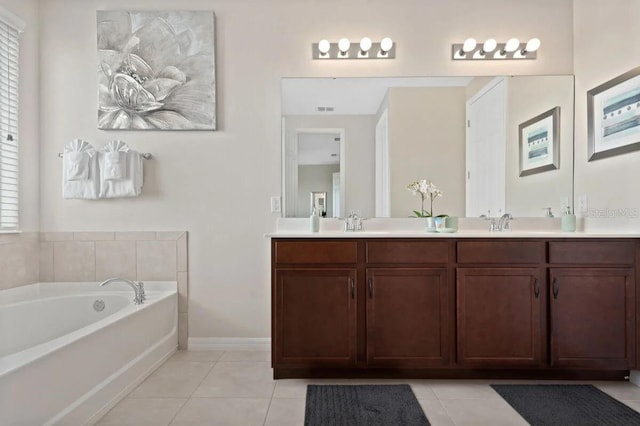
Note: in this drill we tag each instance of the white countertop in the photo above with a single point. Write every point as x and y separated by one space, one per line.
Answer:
468 228
458 234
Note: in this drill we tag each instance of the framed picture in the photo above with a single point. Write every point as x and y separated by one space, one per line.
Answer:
539 139
156 70
613 122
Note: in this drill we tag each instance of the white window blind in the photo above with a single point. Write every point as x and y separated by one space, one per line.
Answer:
9 60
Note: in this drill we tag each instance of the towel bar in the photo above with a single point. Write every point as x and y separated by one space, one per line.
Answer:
145 155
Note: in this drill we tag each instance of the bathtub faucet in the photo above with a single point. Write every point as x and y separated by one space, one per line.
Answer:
138 288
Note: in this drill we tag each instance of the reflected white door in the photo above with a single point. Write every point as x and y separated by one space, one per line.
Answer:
336 195
382 190
486 150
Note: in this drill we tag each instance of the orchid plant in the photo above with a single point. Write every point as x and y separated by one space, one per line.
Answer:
427 191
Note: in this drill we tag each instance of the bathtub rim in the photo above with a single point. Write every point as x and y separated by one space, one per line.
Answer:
156 291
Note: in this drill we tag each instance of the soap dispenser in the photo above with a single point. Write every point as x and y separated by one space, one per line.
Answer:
568 221
314 220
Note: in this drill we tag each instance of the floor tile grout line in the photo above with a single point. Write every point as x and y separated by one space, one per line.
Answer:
178 412
266 416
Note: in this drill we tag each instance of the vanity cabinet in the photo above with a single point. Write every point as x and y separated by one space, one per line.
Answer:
592 293
408 293
314 303
315 317
500 303
407 322
499 313
454 307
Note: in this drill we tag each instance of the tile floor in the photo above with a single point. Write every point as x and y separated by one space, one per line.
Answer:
236 388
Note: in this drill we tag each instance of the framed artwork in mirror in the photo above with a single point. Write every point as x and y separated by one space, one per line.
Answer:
613 120
319 201
539 139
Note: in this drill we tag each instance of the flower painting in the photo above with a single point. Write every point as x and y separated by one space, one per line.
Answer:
156 70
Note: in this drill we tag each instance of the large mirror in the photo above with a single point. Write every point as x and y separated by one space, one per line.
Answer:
490 144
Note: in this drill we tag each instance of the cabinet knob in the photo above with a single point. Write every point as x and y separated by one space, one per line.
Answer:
556 287
536 287
353 288
370 288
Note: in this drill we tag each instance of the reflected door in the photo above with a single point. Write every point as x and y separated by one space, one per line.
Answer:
486 150
382 190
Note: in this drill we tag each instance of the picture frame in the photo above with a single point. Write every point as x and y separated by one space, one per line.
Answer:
613 116
539 141
156 70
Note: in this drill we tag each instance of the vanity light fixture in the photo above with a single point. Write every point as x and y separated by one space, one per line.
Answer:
345 49
490 49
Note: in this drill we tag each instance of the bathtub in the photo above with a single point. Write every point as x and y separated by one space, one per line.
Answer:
70 351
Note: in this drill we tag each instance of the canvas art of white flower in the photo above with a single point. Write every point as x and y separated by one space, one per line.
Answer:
156 70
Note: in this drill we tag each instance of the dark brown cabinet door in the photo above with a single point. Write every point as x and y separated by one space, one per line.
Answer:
499 317
407 317
592 317
315 317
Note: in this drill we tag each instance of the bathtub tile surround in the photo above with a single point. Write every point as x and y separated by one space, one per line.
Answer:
74 261
96 256
116 259
156 260
18 259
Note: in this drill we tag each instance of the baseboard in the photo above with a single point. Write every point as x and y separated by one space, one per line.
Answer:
229 343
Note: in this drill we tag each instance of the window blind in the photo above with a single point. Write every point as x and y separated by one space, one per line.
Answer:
9 189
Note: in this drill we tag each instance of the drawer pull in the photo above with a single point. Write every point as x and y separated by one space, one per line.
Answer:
370 288
353 288
536 287
556 287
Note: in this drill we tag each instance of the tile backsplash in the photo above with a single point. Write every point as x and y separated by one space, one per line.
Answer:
30 257
18 259
140 256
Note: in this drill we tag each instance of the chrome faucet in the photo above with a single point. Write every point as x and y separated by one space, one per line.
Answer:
503 223
138 288
353 222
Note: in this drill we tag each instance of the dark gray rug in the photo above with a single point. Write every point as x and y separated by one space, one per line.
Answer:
583 405
363 405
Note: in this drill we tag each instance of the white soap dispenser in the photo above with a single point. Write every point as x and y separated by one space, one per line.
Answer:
314 220
568 221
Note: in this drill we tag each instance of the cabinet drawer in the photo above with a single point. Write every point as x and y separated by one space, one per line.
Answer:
592 252
315 252
407 252
500 252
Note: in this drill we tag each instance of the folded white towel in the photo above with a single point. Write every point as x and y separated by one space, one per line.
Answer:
115 166
80 171
130 185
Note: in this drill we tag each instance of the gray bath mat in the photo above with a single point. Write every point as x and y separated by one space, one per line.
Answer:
362 405
584 405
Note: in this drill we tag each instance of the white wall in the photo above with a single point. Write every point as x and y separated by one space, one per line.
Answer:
217 184
528 97
427 141
607 44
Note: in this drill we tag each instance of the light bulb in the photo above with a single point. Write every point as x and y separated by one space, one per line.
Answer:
344 45
489 45
324 46
469 45
532 45
365 44
386 44
512 44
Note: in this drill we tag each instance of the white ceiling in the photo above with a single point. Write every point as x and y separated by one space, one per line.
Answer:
360 95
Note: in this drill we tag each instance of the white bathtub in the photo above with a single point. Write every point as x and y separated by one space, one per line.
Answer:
64 362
